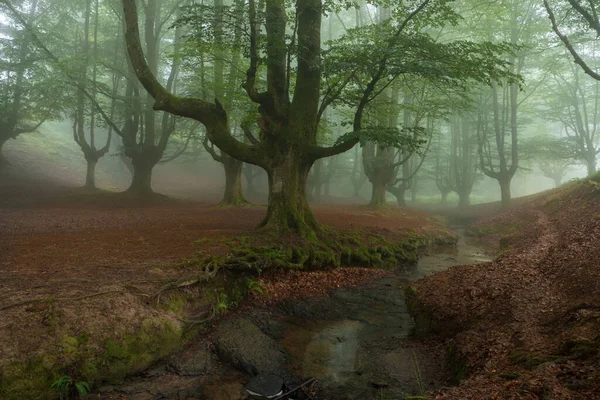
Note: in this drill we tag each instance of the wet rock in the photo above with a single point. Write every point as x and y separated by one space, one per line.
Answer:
274 329
241 344
265 386
195 363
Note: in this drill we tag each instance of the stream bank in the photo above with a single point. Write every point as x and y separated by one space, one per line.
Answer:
355 341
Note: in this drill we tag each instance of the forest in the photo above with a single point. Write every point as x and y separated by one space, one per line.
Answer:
308 199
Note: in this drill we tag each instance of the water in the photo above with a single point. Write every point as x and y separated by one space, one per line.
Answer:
368 353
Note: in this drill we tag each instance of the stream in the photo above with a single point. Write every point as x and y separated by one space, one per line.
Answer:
356 343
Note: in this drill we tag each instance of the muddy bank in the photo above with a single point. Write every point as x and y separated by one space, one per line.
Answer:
355 341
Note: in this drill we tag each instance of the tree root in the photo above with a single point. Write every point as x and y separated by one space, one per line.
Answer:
199 321
210 271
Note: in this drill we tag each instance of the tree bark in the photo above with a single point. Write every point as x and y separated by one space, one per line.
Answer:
141 183
288 208
378 192
233 195
505 191
464 199
90 175
590 162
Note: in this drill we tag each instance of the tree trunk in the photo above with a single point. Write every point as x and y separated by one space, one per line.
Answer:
233 182
444 197
464 199
141 183
505 191
90 175
3 161
288 208
379 189
557 181
590 162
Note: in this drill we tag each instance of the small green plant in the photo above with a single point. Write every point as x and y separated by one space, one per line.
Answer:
222 303
256 286
70 389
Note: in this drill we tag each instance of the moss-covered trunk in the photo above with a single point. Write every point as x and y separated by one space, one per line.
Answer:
233 195
90 175
288 208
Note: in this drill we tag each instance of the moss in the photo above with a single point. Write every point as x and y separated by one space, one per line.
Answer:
78 357
595 177
529 360
581 348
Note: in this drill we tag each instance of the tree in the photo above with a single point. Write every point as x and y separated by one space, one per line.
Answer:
292 104
90 152
583 14
552 155
29 94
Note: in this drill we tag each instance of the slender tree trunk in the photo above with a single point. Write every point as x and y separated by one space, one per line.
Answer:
233 182
288 206
90 175
505 191
464 199
141 183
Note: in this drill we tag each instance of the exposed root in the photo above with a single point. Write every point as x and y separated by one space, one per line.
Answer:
200 319
210 271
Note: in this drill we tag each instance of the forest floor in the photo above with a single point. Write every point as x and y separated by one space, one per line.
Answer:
79 268
527 325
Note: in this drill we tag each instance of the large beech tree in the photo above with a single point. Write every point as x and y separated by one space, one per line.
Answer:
292 103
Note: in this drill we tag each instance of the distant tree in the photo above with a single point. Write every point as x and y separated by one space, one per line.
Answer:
29 94
552 155
91 153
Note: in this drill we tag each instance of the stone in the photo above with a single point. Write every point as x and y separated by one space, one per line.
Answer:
242 344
